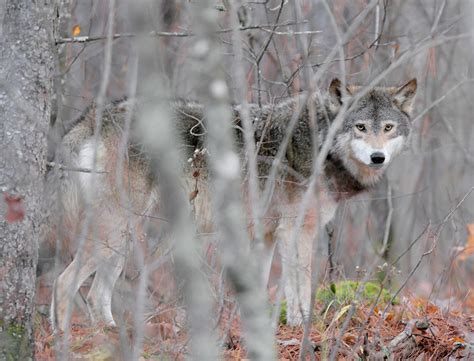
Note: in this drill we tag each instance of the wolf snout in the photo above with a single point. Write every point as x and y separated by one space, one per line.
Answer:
377 158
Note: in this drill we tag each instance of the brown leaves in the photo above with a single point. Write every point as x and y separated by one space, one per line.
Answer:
457 339
430 308
468 249
413 328
76 30
417 327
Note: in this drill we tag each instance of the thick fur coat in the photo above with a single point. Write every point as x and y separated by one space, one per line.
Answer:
372 134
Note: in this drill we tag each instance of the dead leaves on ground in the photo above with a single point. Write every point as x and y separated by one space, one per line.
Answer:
433 333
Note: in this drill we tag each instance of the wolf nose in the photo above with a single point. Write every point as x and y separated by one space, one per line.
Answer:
377 157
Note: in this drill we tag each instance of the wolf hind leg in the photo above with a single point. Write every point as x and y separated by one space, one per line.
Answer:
65 288
99 298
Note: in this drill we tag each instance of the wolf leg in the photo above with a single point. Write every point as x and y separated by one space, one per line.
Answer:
296 270
267 260
99 299
66 287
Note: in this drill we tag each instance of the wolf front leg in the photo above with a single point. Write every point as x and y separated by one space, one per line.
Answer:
99 298
66 287
266 262
296 269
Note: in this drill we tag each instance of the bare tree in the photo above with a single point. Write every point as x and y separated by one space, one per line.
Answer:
26 64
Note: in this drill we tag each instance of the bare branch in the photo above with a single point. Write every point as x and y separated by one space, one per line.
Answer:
73 169
173 34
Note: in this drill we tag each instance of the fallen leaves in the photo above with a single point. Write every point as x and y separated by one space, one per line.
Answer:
409 330
413 329
457 339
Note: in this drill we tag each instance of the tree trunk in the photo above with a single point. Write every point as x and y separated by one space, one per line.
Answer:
26 64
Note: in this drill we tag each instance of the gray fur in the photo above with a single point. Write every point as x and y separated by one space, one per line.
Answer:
270 123
347 172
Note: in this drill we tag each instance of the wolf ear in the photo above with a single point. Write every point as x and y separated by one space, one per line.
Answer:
335 91
336 94
403 96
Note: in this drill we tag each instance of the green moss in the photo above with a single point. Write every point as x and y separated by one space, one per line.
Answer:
283 312
16 331
14 342
343 293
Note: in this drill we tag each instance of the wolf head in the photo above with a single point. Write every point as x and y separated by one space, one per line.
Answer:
375 131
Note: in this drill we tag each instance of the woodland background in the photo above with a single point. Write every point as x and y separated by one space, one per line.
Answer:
426 182
414 233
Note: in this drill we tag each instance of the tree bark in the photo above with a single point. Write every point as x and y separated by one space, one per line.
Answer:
26 65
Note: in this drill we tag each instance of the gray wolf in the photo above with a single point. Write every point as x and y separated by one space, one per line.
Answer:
371 135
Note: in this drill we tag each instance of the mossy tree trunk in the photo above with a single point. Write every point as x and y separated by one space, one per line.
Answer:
26 69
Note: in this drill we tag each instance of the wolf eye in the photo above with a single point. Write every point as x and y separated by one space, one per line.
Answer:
361 127
388 127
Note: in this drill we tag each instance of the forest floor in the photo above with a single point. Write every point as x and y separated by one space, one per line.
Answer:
413 328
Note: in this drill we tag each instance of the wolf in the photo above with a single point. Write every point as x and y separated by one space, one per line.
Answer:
373 132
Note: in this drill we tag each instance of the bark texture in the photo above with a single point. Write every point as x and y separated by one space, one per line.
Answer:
26 60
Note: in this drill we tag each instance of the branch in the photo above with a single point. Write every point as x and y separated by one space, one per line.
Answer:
262 52
388 222
74 169
174 34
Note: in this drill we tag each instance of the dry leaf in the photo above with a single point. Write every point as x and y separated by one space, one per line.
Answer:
430 308
349 338
457 339
76 30
468 249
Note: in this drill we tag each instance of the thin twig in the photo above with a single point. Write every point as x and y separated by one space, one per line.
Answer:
73 169
173 34
291 33
262 53
388 222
